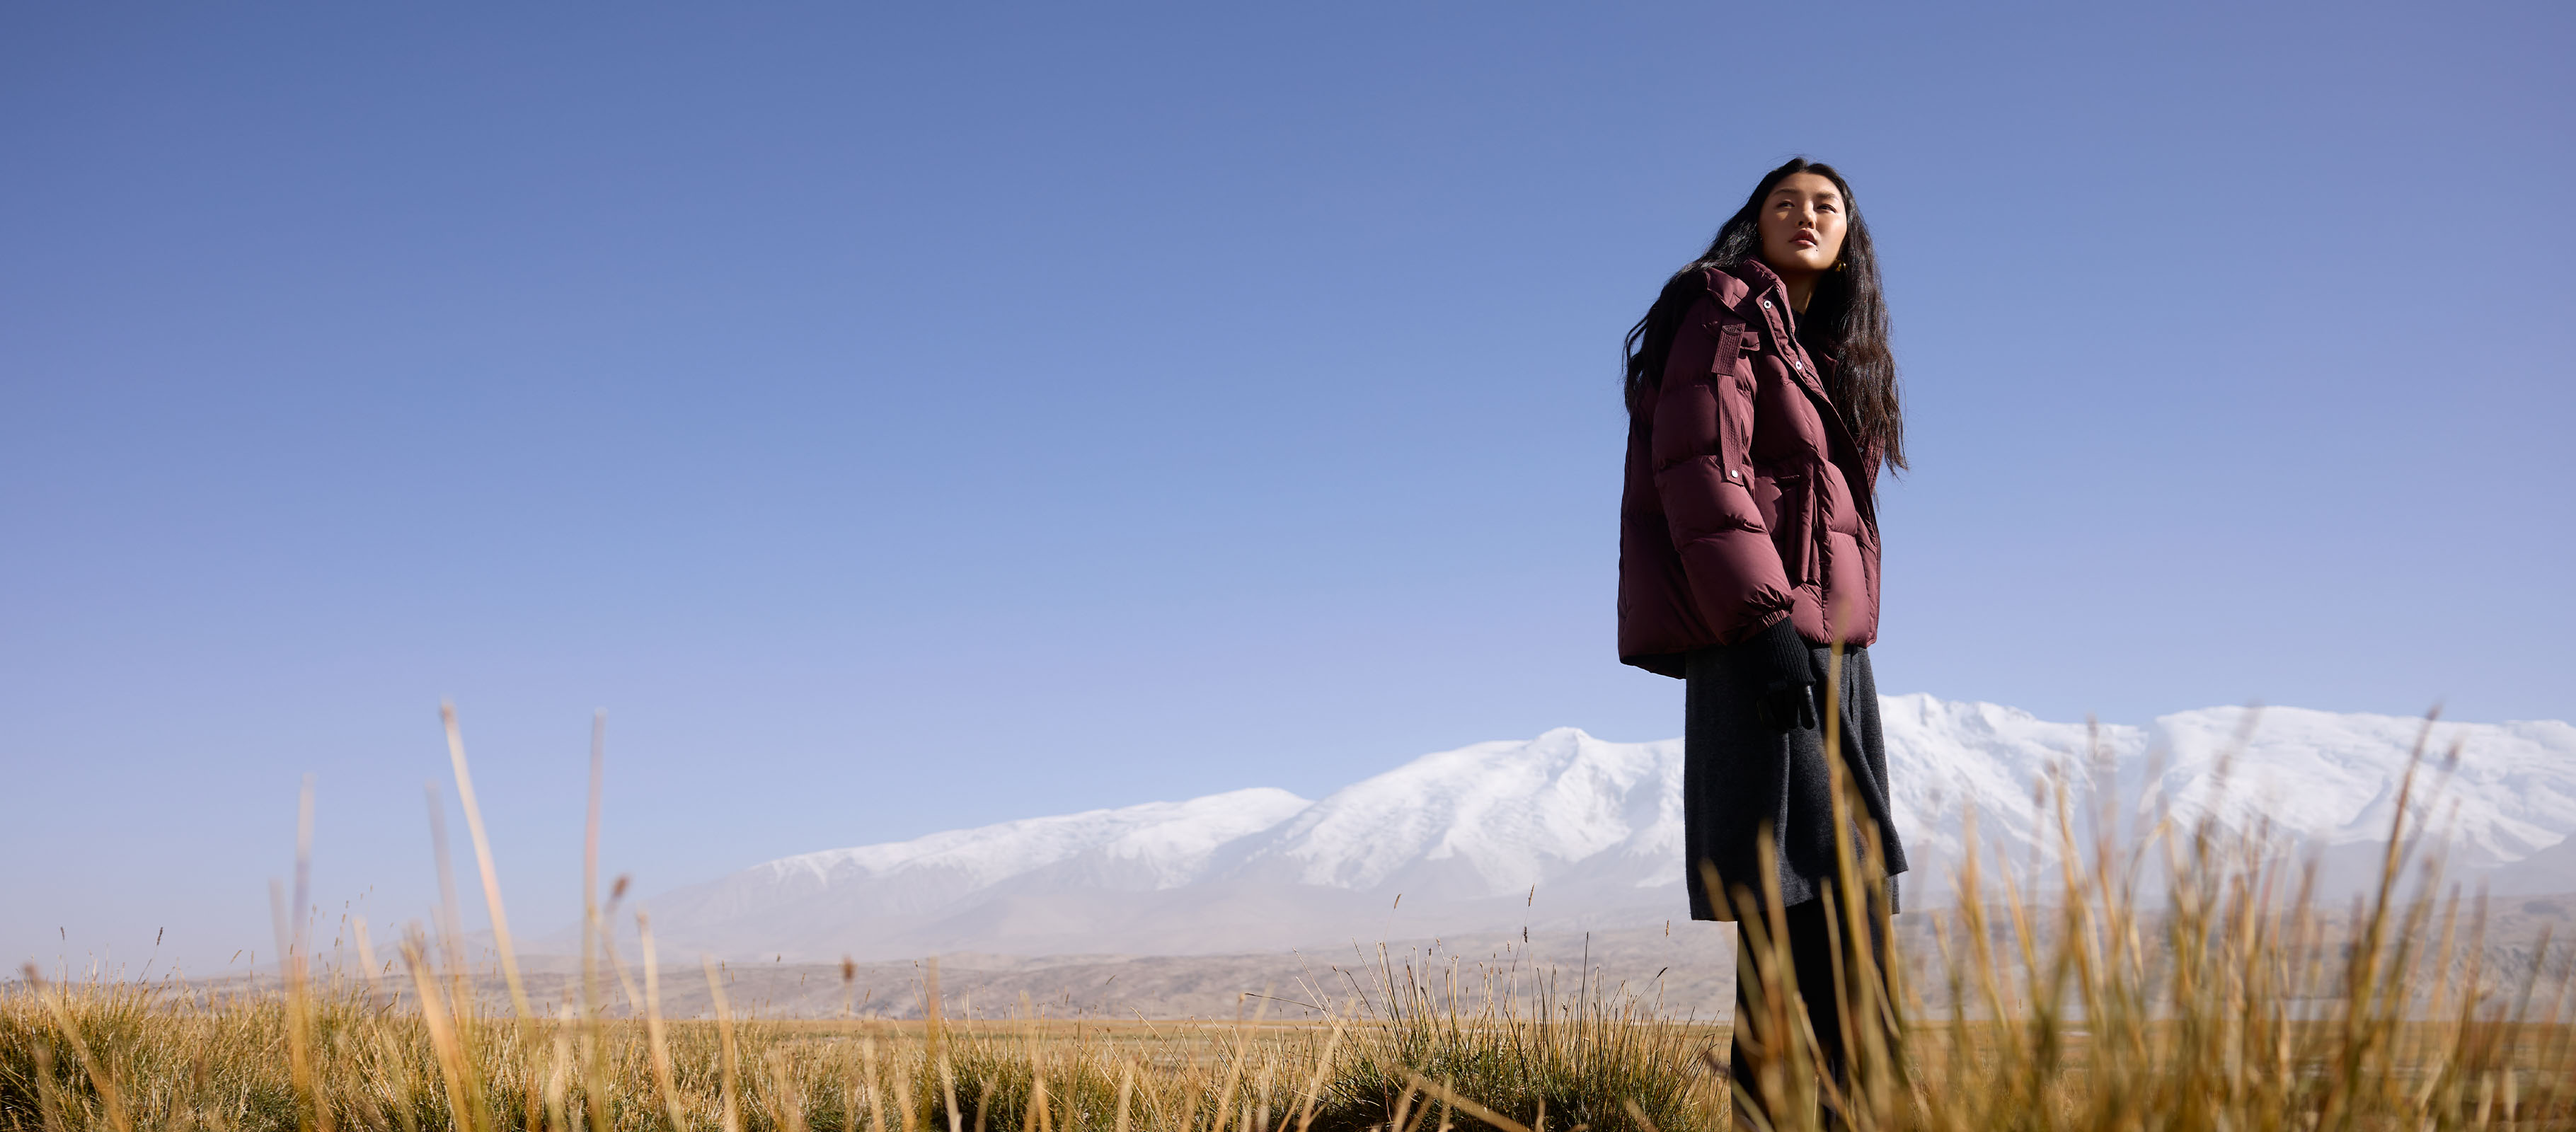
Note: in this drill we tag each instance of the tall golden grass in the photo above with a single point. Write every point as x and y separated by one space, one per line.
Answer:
2178 976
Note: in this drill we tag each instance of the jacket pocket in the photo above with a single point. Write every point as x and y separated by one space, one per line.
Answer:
1792 518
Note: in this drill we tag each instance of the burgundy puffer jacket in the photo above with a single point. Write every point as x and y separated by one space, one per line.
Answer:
1747 499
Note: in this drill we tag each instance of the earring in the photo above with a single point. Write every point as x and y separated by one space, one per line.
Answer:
1838 265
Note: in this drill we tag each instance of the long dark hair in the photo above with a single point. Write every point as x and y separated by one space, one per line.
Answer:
1847 316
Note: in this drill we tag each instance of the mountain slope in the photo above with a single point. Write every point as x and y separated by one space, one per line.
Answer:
1569 832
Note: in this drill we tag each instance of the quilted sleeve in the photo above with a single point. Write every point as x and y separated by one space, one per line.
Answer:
1703 430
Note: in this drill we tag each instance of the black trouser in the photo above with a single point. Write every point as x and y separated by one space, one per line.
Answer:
1811 952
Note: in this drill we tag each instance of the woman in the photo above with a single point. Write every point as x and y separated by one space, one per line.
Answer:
1762 402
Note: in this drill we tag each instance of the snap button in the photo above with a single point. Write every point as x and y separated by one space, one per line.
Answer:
1793 364
1733 474
1766 304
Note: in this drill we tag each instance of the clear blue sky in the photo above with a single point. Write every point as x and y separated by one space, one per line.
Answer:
901 420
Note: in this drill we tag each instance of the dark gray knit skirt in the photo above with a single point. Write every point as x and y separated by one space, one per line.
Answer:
1739 778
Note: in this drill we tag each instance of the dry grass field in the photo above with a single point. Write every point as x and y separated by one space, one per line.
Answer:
2162 978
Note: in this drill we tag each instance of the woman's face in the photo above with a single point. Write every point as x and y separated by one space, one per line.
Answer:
1802 225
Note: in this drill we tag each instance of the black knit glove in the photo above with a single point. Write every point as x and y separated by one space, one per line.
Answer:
1785 671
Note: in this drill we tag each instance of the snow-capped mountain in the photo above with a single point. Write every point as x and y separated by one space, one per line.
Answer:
1569 831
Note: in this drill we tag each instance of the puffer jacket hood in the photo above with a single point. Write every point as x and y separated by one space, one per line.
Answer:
1747 499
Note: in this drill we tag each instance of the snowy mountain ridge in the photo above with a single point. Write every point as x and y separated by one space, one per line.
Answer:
1565 830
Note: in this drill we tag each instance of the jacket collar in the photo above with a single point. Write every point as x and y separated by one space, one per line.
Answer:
1759 282
1742 289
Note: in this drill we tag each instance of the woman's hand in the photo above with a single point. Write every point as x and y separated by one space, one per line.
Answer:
1785 670
1787 707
